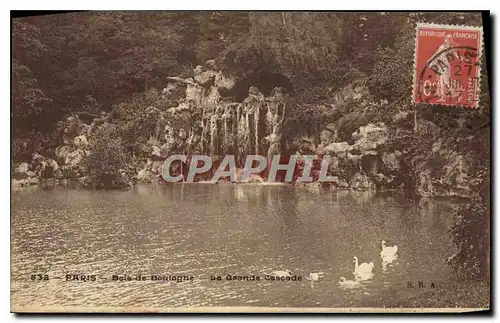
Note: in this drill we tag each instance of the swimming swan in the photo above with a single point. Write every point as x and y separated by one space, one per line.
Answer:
281 273
315 276
388 252
363 271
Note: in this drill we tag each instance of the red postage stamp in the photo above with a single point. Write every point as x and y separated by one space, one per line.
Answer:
447 65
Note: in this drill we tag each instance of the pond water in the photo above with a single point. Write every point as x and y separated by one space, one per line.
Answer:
208 230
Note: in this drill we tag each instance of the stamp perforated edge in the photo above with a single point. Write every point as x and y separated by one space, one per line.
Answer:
479 57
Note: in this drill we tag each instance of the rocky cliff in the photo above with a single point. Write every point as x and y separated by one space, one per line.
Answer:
201 119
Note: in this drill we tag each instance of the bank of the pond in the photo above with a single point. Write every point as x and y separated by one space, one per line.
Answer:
30 184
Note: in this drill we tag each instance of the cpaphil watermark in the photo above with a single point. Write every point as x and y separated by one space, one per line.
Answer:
303 168
447 65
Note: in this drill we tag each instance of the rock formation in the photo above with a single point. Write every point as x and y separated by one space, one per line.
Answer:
200 119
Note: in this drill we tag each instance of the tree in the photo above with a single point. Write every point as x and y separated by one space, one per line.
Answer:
28 98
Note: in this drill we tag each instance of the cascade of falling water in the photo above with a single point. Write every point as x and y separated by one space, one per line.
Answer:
203 131
234 131
248 133
269 119
213 132
282 118
256 118
226 134
238 113
243 133
238 131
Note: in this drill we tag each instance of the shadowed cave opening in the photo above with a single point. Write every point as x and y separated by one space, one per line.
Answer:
265 80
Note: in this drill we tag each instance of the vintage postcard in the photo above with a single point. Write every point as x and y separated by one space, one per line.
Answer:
321 162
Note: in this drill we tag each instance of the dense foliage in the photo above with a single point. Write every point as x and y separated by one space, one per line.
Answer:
470 234
115 61
108 165
61 60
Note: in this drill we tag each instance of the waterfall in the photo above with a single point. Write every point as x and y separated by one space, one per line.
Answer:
241 132
248 133
256 118
226 134
235 125
269 119
213 132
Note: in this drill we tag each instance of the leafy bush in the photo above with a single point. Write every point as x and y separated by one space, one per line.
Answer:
139 118
107 164
471 231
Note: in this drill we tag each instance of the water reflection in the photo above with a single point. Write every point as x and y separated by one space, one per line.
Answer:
387 262
206 230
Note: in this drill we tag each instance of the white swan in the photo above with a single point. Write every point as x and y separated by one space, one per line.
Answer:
348 283
388 252
314 277
363 271
281 273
